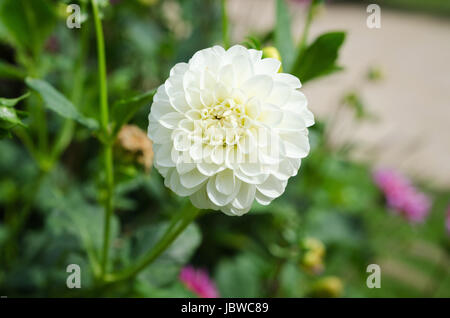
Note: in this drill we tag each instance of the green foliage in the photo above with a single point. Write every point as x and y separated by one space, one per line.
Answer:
239 277
124 110
164 271
320 58
27 23
9 116
58 103
11 71
52 215
283 35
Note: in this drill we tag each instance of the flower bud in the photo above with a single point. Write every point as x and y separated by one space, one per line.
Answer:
330 286
313 254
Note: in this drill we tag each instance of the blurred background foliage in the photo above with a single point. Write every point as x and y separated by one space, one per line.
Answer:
316 240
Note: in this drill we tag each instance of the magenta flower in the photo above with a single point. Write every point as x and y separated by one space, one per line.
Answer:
402 196
198 281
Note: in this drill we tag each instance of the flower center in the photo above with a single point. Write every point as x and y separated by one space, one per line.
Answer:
224 123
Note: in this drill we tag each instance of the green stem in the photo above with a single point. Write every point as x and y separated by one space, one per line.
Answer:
79 70
177 226
104 112
107 152
304 39
309 18
225 36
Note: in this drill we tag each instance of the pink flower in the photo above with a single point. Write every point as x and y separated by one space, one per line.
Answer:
198 281
402 196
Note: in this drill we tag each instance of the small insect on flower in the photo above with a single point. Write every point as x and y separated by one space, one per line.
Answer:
198 281
228 129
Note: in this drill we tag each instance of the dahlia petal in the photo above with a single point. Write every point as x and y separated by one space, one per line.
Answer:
171 120
179 69
280 94
288 79
218 198
226 76
178 101
225 182
272 187
267 66
245 197
242 66
258 85
296 145
192 178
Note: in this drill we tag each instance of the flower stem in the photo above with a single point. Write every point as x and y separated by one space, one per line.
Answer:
107 151
104 112
225 36
309 18
177 226
304 39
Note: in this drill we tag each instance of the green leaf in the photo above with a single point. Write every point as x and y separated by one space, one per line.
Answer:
11 71
320 57
58 103
8 117
125 109
166 268
11 102
27 23
283 35
239 277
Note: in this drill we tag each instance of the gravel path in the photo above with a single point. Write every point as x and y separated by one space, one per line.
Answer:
411 103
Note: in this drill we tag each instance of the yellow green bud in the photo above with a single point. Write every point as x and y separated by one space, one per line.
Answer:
330 286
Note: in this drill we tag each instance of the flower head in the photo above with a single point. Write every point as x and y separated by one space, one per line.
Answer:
198 282
402 196
229 129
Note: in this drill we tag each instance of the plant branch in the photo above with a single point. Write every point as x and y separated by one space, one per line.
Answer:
177 226
107 152
304 39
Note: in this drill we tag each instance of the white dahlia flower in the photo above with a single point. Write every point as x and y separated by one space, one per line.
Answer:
228 129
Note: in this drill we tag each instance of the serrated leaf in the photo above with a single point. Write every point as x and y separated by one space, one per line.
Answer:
320 57
58 103
124 110
283 35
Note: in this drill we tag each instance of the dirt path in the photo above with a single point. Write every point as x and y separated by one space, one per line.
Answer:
412 102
